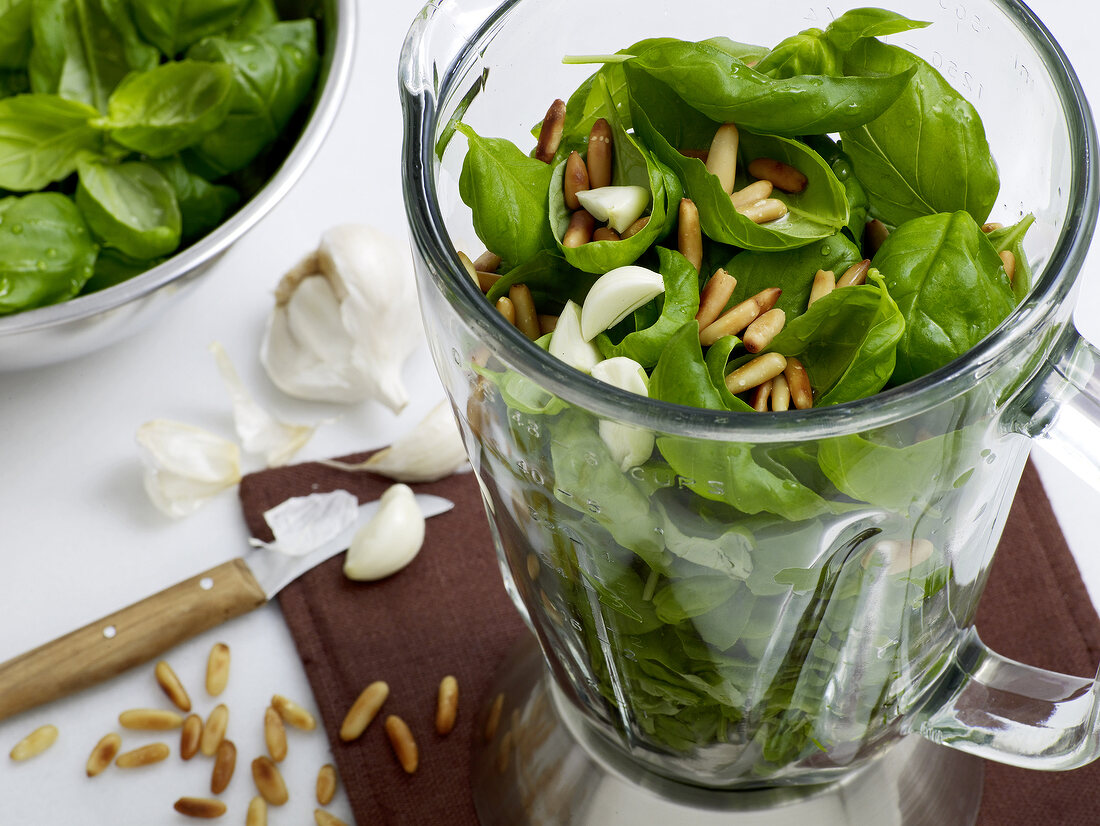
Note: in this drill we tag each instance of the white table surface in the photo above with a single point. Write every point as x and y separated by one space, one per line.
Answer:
79 539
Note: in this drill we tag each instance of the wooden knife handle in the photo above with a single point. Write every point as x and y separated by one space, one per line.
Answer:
129 637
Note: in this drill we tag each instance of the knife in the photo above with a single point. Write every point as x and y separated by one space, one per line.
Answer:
127 638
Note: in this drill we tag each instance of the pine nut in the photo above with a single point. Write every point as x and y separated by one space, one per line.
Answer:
488 262
605 234
765 211
446 709
599 155
217 669
404 746
103 753
550 133
899 556
855 275
144 756
323 818
751 194
874 234
824 283
527 319
1008 261
190 736
493 721
992 226
257 812
214 730
504 751
468 265
761 395
171 685
363 710
486 280
507 309
760 333
781 394
635 228
35 743
575 179
799 382
293 713
269 781
736 319
715 294
579 231
274 735
202 807
756 372
533 565
224 763
326 784
781 175
150 719
722 155
688 233
547 323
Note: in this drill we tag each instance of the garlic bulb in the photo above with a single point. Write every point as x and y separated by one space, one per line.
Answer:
390 540
345 320
429 452
259 431
185 465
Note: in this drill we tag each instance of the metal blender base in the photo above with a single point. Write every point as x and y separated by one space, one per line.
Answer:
530 769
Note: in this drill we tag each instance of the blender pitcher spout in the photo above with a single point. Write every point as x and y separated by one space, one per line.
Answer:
1005 711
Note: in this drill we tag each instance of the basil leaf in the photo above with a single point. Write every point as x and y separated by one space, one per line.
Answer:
819 211
164 110
857 24
726 90
680 376
841 165
13 82
15 33
202 205
950 286
258 16
46 251
942 166
273 72
130 207
1012 239
681 303
550 278
507 192
806 53
83 49
718 356
42 138
173 25
682 599
114 267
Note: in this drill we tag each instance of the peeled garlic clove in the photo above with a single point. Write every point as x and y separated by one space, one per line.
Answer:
629 445
615 295
429 452
258 430
620 206
185 465
345 320
390 540
567 343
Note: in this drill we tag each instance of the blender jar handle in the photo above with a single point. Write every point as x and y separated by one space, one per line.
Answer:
994 707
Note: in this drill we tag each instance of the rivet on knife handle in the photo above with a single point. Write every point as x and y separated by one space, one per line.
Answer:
126 638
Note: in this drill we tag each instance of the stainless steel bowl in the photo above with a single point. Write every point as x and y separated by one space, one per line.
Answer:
81 325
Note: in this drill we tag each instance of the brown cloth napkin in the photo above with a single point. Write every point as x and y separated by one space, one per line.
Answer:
448 613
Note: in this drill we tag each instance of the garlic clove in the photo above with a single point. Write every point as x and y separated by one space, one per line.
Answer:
615 295
569 345
629 445
620 206
430 451
185 465
258 430
390 540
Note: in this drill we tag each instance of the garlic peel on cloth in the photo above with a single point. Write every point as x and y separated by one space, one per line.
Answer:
429 452
185 465
258 430
345 320
390 540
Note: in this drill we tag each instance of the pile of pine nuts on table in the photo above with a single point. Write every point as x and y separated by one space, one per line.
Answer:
209 739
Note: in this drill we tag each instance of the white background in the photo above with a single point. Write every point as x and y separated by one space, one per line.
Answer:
79 539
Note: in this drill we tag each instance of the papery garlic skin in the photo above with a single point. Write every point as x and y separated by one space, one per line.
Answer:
346 318
185 465
390 540
301 525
